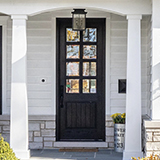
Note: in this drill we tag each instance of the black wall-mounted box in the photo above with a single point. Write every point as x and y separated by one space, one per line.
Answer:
122 86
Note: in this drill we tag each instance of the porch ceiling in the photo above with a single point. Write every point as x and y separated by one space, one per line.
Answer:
32 7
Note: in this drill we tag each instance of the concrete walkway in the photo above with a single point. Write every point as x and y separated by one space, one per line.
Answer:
54 154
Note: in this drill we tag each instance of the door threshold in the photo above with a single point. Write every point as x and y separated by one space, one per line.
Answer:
78 150
80 144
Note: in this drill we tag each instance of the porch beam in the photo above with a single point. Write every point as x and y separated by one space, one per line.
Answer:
19 100
133 96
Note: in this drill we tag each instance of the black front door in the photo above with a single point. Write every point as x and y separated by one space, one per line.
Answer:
81 81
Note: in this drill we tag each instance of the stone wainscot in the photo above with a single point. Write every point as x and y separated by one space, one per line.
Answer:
42 131
151 137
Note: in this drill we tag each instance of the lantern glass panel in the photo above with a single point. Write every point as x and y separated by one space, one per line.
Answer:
79 21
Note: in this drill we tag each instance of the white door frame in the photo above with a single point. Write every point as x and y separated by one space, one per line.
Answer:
90 14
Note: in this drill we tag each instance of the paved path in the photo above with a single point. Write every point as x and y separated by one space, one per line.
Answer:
54 154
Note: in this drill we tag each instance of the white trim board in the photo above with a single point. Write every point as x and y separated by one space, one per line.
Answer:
54 64
3 23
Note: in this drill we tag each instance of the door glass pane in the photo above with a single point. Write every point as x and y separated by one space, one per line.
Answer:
89 68
90 35
72 85
89 52
72 68
72 36
73 52
89 85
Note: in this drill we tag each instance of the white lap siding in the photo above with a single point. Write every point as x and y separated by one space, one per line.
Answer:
8 66
39 64
39 32
149 63
144 64
40 61
119 62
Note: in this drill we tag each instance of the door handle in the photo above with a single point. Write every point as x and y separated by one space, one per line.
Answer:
61 96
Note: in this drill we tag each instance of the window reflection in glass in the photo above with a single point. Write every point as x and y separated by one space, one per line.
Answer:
89 85
89 68
90 35
73 52
72 36
89 52
72 85
72 68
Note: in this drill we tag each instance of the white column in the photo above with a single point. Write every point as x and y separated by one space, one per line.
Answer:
133 96
19 100
155 60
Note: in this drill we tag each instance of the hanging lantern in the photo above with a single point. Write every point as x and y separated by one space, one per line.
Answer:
79 20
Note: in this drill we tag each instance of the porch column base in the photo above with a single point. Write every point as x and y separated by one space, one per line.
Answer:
23 154
128 155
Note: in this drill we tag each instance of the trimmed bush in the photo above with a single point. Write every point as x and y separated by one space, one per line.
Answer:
6 153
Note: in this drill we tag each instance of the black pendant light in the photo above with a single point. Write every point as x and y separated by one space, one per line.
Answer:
79 19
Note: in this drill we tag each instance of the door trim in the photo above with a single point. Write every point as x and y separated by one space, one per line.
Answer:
58 29
56 15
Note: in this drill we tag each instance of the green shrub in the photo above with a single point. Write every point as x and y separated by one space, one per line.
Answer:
6 153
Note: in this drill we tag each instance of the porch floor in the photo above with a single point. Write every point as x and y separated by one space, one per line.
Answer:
54 154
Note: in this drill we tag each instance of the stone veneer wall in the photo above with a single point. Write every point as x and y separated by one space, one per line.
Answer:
42 131
151 137
109 132
5 127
